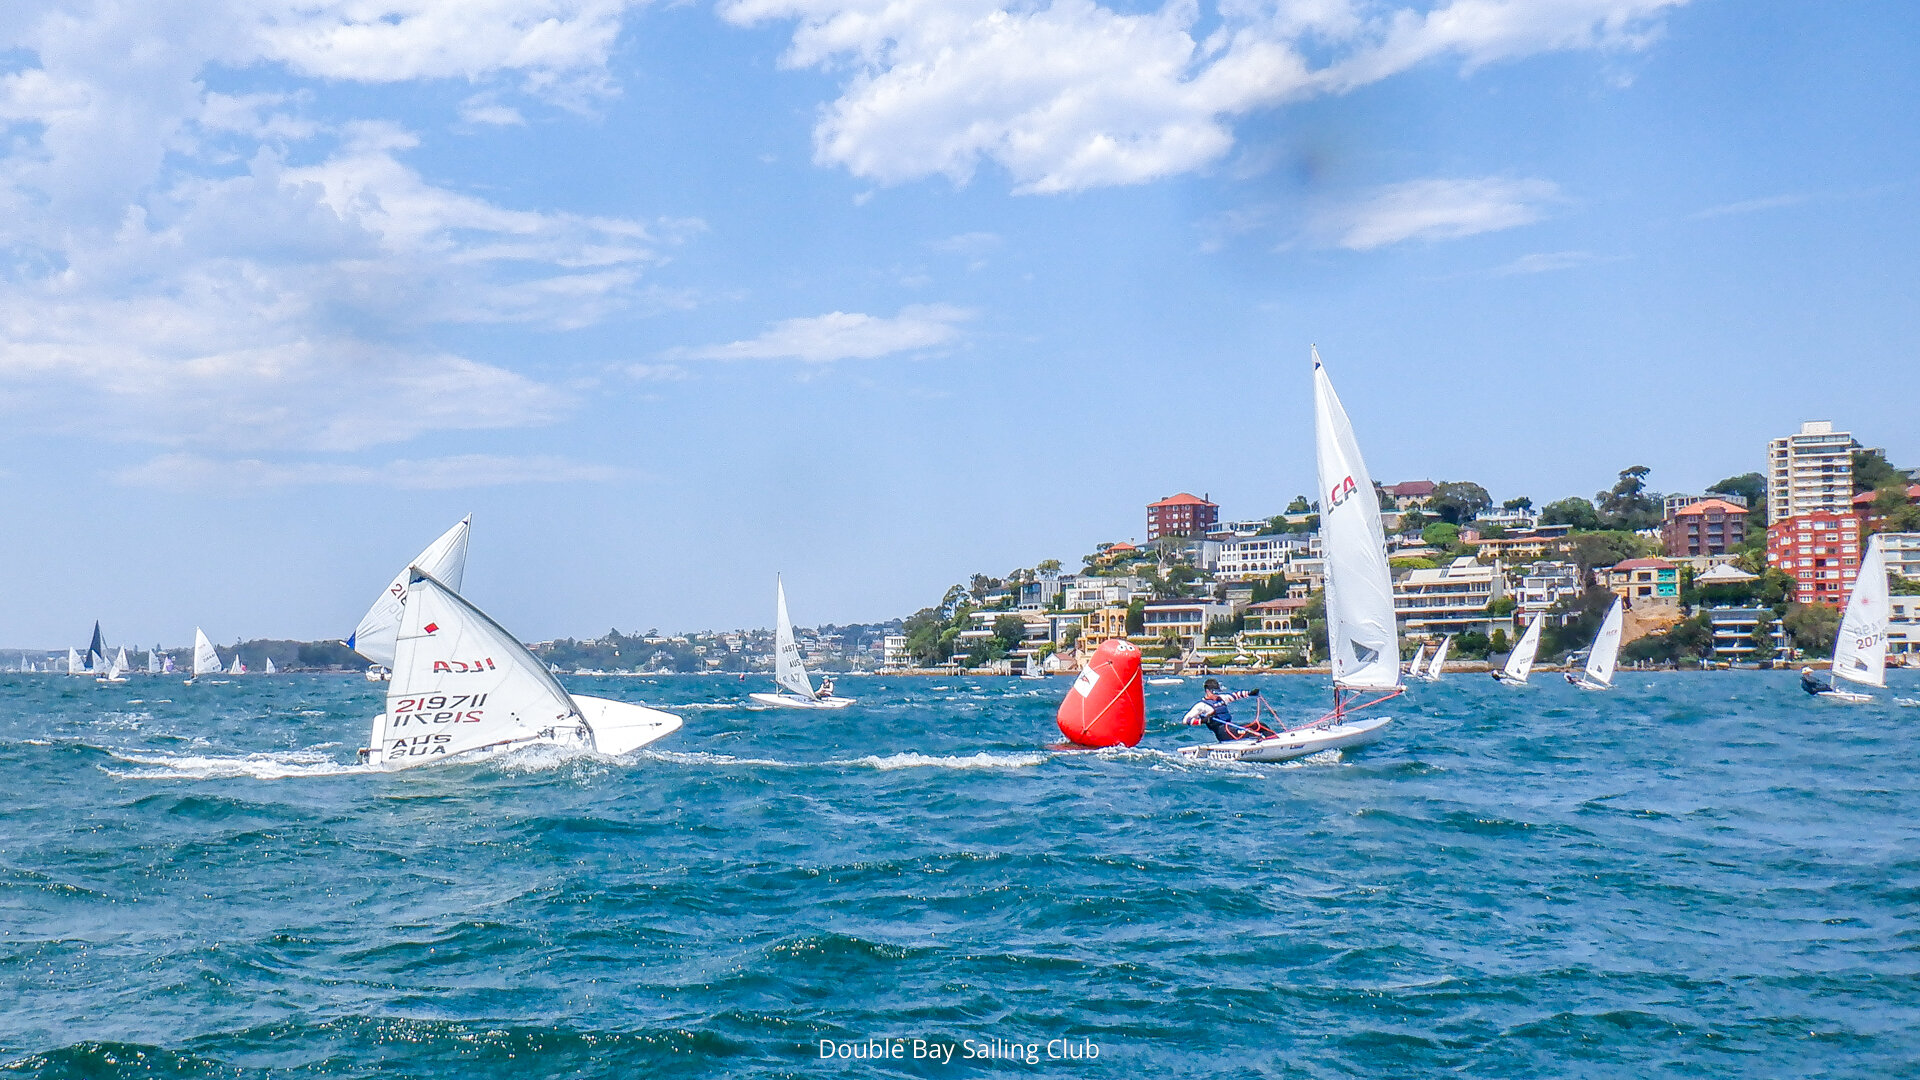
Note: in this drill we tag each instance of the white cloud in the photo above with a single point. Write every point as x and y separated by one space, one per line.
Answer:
193 472
483 109
1548 261
1752 206
174 279
1435 209
840 335
1069 94
973 245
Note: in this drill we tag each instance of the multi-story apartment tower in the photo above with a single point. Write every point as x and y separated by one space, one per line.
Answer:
1181 515
1810 473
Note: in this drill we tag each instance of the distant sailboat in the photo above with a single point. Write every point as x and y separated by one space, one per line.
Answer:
206 659
73 662
464 687
117 670
1520 664
1418 662
1860 649
1439 662
444 560
268 670
1604 655
238 668
153 660
97 650
166 665
789 670
1362 638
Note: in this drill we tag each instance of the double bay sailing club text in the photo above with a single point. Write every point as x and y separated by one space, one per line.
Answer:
993 1049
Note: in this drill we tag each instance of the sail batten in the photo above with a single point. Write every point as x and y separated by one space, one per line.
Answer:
1860 650
1361 634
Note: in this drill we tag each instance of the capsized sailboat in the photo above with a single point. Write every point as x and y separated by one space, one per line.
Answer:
788 669
1605 654
444 560
1860 649
463 687
1520 663
1361 634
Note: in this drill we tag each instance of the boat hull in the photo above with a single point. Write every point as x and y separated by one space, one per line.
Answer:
1289 745
795 701
1844 697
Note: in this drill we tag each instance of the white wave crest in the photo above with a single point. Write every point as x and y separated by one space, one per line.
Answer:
982 760
701 757
268 766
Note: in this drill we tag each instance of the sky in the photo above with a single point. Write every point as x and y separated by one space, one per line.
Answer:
673 297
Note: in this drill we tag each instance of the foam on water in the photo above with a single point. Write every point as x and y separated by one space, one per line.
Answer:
264 766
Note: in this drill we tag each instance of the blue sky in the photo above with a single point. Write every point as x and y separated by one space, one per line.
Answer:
671 297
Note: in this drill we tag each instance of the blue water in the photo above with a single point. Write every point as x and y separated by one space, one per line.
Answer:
1696 875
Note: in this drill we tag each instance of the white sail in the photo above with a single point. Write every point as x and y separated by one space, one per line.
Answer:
73 662
1520 664
444 560
788 670
269 668
1860 652
119 666
206 661
1606 648
1439 662
462 683
1414 669
1361 634
238 668
153 660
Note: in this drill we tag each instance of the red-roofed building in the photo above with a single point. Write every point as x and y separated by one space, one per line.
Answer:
1643 582
1407 495
1181 515
1708 527
1821 552
1863 507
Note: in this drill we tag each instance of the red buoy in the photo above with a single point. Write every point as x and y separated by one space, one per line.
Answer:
1107 705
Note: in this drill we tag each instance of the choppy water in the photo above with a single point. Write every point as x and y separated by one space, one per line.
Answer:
1699 875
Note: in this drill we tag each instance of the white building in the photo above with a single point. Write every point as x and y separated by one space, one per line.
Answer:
1674 503
1250 557
1544 585
1448 600
1903 553
1185 618
1733 631
894 657
1903 628
1811 472
1088 593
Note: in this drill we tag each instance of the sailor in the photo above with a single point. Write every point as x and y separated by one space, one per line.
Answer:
1212 711
826 688
1811 683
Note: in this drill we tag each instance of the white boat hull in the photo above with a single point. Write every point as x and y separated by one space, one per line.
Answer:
1845 697
795 701
1165 682
1289 745
617 727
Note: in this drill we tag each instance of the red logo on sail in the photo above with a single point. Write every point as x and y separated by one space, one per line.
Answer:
1341 492
431 627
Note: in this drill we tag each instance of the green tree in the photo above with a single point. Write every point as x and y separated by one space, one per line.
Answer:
1574 620
1170 646
1048 566
1870 471
1412 562
1628 504
1271 587
1413 521
1749 486
1501 605
1593 549
1440 534
1521 503
1574 511
1070 634
1761 638
1226 628
1136 618
1299 505
1456 501
1498 642
1011 630
1812 627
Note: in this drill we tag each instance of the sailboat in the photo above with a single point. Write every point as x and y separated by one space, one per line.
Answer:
1439 662
463 687
73 662
1520 663
444 560
1419 660
1860 650
97 650
166 665
116 671
1361 634
1604 655
238 668
153 660
788 669
206 659
268 670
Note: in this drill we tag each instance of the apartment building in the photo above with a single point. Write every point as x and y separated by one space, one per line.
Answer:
1733 631
1542 586
1903 628
1821 552
1705 527
1903 553
1252 557
1451 599
1810 472
1184 514
1186 619
1646 582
